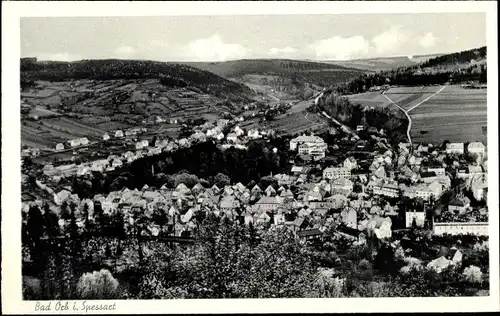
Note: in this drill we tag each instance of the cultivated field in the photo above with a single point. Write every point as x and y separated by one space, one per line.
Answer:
107 106
453 113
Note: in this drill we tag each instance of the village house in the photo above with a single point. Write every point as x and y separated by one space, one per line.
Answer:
476 148
342 186
232 137
423 148
118 134
452 258
117 163
350 163
386 189
105 137
475 171
349 217
253 134
267 204
270 191
332 173
59 146
455 148
460 203
479 187
380 227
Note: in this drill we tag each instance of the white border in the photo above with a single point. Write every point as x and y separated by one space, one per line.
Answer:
11 230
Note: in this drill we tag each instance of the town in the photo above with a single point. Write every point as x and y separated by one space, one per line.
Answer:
440 188
259 175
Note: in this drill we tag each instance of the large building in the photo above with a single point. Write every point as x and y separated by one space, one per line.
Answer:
309 140
332 173
386 189
461 228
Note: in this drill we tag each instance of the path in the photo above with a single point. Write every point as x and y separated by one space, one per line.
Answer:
408 132
426 99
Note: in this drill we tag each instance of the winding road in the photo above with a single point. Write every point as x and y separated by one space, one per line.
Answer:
408 132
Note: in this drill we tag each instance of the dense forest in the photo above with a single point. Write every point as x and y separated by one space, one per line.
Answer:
191 165
170 74
454 68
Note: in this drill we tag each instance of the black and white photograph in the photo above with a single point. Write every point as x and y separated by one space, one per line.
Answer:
253 156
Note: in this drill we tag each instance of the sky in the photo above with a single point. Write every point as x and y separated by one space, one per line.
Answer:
220 38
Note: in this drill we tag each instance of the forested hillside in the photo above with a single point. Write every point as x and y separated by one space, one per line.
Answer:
458 67
293 77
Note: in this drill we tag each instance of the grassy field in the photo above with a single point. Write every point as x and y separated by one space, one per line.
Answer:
454 114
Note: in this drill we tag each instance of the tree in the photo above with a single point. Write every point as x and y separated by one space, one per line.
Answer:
97 285
188 179
221 180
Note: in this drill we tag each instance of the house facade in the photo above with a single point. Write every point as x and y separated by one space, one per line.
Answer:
332 173
461 228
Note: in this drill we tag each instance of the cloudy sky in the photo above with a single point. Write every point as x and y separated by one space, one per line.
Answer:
218 38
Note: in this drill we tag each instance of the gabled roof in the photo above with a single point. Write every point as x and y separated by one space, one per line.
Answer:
182 187
198 186
256 188
268 200
270 189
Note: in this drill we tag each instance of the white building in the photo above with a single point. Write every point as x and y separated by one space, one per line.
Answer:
105 137
310 140
386 189
455 148
332 173
350 163
461 228
317 151
59 146
254 134
232 137
476 148
118 134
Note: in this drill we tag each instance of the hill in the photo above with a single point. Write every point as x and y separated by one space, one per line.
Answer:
281 76
169 74
458 67
383 63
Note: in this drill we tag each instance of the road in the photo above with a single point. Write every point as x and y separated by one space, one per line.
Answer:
408 132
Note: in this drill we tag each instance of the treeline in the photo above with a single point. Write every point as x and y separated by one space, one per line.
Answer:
341 108
191 165
231 260
453 68
112 69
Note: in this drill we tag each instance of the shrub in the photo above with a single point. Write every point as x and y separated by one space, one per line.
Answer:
472 274
97 285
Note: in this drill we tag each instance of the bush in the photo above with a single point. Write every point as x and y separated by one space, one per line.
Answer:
472 274
97 285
